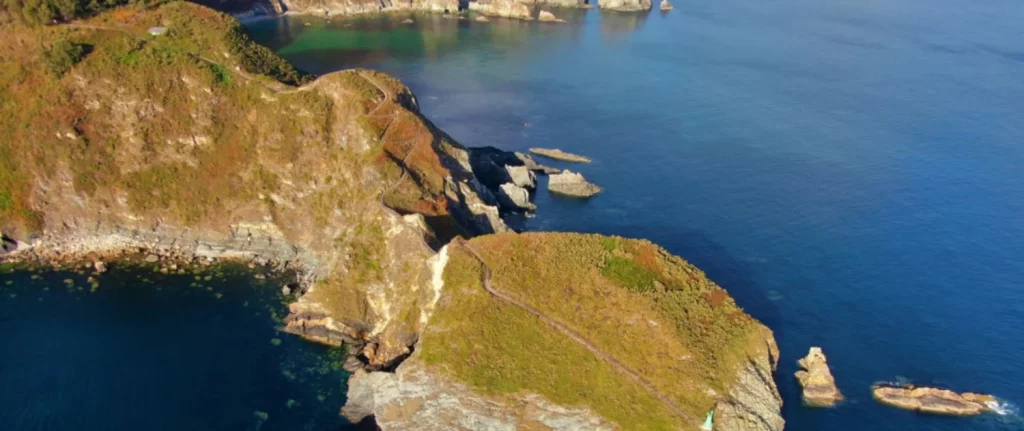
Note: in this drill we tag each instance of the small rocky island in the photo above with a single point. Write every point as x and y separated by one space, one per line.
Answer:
816 379
933 400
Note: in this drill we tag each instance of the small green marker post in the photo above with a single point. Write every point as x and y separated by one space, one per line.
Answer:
709 422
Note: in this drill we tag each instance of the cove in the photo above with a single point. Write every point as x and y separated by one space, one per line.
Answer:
849 171
145 350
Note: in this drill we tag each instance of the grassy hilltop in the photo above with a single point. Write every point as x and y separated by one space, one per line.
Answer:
650 310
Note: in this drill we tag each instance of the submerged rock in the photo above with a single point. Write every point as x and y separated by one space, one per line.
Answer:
933 400
819 386
570 183
514 198
665 5
481 18
557 154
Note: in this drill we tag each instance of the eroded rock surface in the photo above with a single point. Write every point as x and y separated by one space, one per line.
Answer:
816 379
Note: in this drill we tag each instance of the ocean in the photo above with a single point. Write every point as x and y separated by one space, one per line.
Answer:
142 350
851 171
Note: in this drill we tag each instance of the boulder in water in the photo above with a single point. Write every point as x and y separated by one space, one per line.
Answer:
665 5
819 386
570 183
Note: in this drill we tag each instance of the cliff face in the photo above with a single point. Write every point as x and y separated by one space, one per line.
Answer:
524 321
180 142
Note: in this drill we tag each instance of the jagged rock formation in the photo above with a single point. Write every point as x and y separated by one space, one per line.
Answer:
522 176
514 198
570 183
819 386
184 151
933 401
566 322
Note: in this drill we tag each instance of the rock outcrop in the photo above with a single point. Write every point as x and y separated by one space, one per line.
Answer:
514 198
572 184
665 5
816 379
626 5
933 400
521 176
557 154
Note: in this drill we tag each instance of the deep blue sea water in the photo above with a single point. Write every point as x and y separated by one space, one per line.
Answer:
149 351
852 171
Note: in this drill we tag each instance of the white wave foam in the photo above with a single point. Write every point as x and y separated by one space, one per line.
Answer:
1002 408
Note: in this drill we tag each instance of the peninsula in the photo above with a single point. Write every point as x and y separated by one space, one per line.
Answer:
193 141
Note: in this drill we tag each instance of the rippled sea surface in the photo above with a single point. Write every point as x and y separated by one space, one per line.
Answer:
148 351
852 171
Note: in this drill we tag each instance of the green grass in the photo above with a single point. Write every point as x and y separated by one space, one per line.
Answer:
652 311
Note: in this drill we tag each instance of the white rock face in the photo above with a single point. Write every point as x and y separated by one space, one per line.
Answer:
522 177
514 197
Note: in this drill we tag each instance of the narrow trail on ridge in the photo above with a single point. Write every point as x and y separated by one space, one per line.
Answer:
573 335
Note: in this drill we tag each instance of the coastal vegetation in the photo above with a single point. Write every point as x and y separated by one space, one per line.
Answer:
653 312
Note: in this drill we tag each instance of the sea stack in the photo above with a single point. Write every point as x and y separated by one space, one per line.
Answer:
819 386
932 400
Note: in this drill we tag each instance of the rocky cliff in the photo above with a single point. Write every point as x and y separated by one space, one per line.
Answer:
190 141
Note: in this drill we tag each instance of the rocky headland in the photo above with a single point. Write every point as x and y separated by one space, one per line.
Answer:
199 145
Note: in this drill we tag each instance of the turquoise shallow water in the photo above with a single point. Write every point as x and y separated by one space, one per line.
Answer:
851 171
148 351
